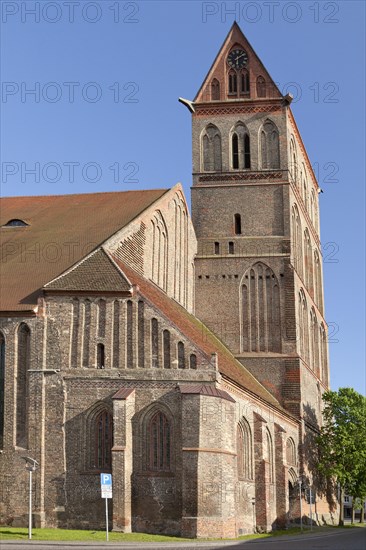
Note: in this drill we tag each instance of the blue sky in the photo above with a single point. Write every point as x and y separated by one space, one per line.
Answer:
104 114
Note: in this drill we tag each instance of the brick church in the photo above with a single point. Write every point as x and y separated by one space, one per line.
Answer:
186 356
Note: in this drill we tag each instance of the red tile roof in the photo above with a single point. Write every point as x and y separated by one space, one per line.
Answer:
198 334
205 389
62 230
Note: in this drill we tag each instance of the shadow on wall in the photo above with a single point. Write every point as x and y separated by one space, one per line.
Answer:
324 487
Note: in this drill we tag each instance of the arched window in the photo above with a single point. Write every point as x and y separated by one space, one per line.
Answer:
235 151
233 83
129 334
116 336
159 434
314 342
86 331
2 389
261 323
305 190
101 318
193 361
141 333
181 356
215 90
211 149
100 356
293 161
237 223
261 87
75 333
312 206
240 148
323 367
159 256
103 440
244 83
297 241
318 295
166 346
303 327
309 274
23 364
270 146
217 248
154 343
269 456
231 247
244 450
290 452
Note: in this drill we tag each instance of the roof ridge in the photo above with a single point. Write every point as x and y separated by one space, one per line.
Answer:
85 194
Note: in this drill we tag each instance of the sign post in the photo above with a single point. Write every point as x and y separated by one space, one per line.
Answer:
31 466
106 489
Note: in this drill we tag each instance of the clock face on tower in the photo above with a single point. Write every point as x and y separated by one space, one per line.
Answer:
237 59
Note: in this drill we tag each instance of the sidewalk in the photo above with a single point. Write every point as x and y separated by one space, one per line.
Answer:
307 533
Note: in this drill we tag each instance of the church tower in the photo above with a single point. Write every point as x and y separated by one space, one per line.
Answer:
258 270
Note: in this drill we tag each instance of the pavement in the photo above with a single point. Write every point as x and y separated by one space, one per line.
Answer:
317 535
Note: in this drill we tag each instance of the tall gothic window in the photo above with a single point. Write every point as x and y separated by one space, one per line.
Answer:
211 149
159 434
101 318
75 332
116 337
240 148
318 281
309 274
154 343
235 151
181 356
86 340
314 342
261 87
100 356
166 349
233 83
215 90
103 440
303 327
261 323
323 354
244 450
244 82
129 334
237 224
297 241
270 146
22 385
290 452
193 361
269 455
293 161
2 388
141 333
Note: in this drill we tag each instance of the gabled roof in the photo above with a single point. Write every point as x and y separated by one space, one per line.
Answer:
62 230
198 334
95 273
235 37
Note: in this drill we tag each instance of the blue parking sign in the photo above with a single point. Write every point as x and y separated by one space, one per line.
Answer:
106 479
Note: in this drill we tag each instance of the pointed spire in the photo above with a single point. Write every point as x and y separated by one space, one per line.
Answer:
238 61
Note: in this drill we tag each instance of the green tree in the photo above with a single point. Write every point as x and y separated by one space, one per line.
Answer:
342 442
